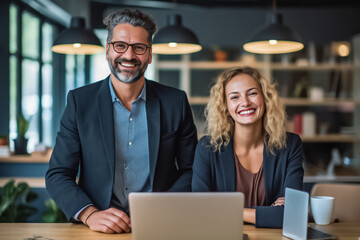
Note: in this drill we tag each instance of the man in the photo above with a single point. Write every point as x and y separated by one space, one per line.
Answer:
126 134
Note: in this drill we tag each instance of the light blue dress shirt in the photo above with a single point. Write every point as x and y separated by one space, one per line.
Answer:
132 170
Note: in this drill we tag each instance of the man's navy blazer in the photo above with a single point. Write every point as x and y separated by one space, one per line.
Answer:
215 171
86 142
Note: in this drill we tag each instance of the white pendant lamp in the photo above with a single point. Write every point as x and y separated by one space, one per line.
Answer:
274 38
175 39
77 39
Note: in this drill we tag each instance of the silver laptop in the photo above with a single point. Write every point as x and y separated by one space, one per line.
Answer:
295 225
186 216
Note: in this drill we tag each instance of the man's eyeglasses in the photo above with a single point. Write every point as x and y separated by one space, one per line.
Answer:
137 48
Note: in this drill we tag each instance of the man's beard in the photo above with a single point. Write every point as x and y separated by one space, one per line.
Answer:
124 75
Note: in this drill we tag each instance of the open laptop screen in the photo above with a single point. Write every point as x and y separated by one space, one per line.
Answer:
295 225
189 216
295 214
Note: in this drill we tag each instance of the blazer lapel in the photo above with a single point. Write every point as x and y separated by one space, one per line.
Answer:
153 120
106 120
269 168
227 160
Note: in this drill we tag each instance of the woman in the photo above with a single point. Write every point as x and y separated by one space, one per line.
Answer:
247 148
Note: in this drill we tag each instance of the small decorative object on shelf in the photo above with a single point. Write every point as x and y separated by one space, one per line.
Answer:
220 55
308 124
335 160
21 142
4 146
316 94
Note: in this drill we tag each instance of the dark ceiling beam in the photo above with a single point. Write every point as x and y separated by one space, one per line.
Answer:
50 10
191 4
152 4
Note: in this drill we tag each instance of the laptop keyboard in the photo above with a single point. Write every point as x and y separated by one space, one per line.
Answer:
313 233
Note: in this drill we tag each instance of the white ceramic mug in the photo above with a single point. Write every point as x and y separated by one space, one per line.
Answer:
322 209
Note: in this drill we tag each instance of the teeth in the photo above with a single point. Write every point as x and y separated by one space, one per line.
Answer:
127 64
247 112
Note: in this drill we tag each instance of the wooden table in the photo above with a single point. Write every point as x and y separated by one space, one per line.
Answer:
69 231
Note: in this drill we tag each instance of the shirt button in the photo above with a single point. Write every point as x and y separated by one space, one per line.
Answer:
131 119
130 143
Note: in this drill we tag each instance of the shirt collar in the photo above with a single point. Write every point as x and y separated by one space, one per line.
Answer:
114 97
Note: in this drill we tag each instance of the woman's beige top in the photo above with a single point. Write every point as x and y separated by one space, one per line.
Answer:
250 184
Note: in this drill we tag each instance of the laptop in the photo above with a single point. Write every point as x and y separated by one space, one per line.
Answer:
295 225
186 216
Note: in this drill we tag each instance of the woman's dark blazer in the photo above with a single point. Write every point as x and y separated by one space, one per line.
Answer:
215 171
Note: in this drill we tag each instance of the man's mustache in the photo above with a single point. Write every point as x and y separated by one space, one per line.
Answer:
133 61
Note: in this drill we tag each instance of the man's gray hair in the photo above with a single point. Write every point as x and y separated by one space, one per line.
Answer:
135 18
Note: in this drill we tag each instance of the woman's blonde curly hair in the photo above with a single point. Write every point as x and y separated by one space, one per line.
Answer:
221 126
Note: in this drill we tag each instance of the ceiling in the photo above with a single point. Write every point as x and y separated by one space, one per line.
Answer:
237 3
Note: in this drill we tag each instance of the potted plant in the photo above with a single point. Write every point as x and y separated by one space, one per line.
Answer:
21 142
15 202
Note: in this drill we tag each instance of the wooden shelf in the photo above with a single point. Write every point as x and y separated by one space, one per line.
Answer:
344 103
32 182
336 138
33 158
331 178
198 100
318 66
213 65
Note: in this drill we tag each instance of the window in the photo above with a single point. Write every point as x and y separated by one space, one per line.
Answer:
31 74
39 78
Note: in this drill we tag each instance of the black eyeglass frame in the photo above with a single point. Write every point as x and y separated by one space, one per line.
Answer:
132 48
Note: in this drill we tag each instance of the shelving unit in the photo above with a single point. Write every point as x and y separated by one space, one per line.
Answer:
349 105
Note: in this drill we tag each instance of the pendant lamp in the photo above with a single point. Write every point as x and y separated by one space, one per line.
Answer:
274 38
77 39
175 39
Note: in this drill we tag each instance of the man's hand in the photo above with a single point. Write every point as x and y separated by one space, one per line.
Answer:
110 220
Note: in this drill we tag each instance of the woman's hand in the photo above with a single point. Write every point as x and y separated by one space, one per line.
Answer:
279 202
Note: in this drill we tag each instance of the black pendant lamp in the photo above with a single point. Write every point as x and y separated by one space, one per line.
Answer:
77 39
175 39
274 38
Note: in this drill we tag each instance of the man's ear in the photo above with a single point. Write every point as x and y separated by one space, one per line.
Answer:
150 55
107 51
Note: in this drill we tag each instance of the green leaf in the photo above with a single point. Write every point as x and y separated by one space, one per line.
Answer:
53 214
8 189
22 188
22 125
14 205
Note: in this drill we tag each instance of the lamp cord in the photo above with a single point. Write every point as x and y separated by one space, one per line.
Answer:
274 6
